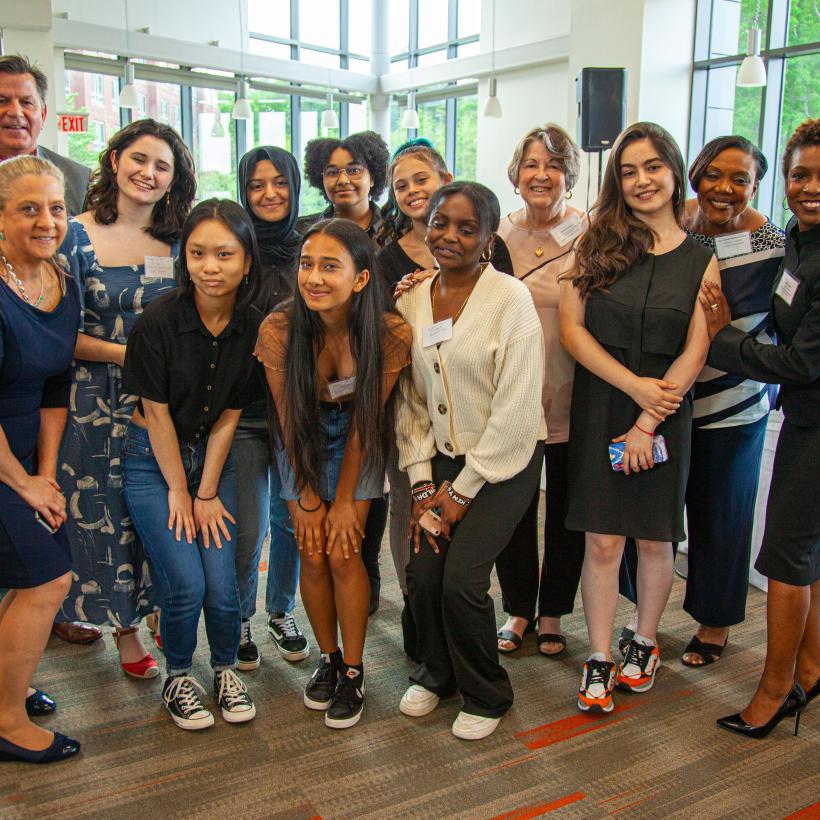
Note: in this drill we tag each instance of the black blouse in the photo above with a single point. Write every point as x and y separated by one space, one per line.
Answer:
794 362
304 223
173 359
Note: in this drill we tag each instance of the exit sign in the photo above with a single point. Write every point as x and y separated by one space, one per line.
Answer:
72 123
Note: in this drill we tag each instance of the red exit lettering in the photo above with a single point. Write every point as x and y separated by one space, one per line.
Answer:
73 123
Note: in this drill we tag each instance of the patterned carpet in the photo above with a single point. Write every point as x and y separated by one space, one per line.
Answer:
657 754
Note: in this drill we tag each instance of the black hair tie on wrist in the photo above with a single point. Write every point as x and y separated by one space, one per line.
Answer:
303 509
210 498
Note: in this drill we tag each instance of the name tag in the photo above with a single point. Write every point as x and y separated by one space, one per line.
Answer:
159 267
567 230
733 244
343 387
787 287
436 333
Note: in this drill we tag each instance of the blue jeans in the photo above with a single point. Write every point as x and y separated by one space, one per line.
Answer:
259 507
191 579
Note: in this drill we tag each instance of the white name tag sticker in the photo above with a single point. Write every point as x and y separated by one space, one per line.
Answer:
159 267
787 287
436 333
567 230
343 387
733 244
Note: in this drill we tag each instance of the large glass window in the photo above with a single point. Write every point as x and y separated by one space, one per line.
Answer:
214 143
103 114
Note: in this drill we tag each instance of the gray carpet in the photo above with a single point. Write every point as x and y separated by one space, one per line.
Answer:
657 754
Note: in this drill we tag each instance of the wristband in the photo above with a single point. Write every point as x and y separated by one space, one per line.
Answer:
423 489
651 435
209 498
461 500
304 509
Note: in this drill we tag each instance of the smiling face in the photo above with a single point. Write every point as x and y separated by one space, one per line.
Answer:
216 260
347 182
268 192
803 186
144 170
327 274
647 183
454 234
727 186
21 115
414 183
34 220
541 177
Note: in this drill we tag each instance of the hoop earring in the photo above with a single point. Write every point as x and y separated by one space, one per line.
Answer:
486 255
247 282
516 190
568 194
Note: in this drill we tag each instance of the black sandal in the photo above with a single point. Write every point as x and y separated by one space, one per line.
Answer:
513 637
709 652
551 637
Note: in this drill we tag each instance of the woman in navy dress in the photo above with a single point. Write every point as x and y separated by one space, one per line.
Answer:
122 252
39 310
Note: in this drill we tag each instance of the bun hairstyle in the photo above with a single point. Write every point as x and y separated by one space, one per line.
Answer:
395 223
807 133
616 238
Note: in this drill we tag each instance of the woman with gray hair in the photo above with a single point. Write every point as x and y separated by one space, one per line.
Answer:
541 237
39 313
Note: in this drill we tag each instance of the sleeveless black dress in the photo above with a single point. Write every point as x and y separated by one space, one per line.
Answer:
641 321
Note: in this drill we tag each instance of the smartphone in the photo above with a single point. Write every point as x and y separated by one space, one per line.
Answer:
431 521
44 523
659 453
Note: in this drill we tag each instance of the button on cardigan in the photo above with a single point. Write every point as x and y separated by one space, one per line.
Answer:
477 394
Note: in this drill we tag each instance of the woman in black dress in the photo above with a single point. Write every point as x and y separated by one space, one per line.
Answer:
790 555
628 317
39 314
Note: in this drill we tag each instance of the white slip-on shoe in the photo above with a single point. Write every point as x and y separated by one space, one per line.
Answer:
418 701
474 727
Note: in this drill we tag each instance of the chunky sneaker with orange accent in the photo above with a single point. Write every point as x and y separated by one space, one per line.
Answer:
597 683
637 672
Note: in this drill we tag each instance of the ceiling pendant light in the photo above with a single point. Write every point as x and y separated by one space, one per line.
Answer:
242 108
752 71
492 107
330 118
218 130
410 117
128 93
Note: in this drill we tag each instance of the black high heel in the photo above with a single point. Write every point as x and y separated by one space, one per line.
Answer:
792 706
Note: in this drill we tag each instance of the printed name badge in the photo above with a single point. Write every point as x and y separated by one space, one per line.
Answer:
787 287
733 244
343 387
567 230
436 333
159 267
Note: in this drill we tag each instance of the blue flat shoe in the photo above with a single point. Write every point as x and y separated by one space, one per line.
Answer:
39 704
61 748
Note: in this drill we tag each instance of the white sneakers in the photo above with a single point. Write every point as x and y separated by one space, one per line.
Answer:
418 701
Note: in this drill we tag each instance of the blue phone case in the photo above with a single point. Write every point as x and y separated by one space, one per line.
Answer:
659 453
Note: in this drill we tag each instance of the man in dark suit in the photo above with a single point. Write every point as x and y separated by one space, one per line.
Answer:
23 90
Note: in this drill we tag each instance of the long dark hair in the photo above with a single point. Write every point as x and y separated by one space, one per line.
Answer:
169 213
233 217
306 337
616 238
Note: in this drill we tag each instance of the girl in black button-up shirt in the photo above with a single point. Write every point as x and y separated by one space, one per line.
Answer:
189 359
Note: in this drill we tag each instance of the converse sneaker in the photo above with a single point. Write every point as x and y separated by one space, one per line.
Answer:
637 672
597 683
181 699
322 684
248 656
233 698
292 644
346 707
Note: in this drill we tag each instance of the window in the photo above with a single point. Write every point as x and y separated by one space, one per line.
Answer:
115 95
214 143
790 47
98 131
143 105
97 94
466 127
85 148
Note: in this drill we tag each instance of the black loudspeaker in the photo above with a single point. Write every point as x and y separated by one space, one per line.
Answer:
601 97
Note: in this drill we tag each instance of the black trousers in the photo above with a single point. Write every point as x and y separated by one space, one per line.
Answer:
448 592
517 566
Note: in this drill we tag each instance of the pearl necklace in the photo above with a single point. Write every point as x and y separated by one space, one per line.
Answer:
20 285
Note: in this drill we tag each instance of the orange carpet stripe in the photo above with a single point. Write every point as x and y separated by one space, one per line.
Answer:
635 803
508 764
567 727
528 812
811 812
549 741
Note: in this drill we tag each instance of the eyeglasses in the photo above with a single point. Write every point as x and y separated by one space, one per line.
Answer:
352 171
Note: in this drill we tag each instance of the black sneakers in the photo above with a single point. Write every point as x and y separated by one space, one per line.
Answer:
292 644
346 708
180 694
248 656
233 698
322 684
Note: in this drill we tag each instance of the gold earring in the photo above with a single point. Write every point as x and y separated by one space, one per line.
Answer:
486 255
568 194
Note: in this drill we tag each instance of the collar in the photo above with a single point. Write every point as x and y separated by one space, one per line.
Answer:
189 320
803 240
375 217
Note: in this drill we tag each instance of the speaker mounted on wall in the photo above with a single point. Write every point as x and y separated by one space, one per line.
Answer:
601 97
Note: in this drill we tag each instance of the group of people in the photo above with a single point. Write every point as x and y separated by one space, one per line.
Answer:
179 382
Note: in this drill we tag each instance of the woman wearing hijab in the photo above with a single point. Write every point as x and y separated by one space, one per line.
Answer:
269 186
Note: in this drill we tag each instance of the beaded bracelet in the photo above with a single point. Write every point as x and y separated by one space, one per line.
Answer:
461 500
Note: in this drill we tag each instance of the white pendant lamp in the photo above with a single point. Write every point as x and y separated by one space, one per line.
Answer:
410 117
242 108
128 94
492 107
330 118
752 71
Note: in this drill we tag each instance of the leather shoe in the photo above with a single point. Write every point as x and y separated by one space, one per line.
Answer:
39 703
76 632
61 748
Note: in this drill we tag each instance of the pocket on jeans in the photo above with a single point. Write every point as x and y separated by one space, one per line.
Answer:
137 448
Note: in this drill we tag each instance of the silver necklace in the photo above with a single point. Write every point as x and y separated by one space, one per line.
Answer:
20 285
